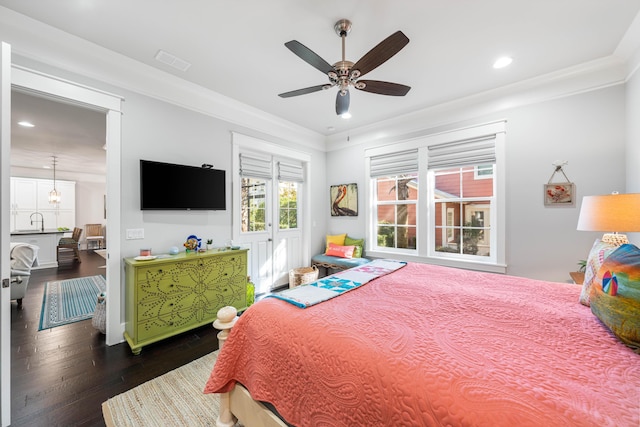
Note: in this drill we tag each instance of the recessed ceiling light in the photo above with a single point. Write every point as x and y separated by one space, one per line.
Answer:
502 62
26 124
346 115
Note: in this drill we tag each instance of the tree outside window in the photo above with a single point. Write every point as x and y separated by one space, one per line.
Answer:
253 193
288 202
396 213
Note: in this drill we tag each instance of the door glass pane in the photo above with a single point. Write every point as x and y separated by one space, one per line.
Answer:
288 198
253 195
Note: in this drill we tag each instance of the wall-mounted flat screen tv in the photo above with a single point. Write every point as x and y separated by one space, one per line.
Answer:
166 186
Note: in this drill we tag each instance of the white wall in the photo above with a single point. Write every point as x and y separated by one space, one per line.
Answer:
633 142
89 206
587 130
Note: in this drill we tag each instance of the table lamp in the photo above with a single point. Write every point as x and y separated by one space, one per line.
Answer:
611 213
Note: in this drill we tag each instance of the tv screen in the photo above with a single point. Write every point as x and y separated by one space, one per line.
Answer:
165 186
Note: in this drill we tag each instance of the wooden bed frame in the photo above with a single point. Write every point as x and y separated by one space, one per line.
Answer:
238 403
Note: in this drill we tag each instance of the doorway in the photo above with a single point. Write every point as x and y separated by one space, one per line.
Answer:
47 132
47 86
270 209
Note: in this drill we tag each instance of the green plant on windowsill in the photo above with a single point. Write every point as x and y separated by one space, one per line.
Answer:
582 265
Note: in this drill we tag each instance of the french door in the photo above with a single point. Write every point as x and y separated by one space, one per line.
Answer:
5 294
269 216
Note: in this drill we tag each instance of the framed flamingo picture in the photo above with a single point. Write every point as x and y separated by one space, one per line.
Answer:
344 200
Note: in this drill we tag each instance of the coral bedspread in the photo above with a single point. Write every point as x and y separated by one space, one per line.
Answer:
430 345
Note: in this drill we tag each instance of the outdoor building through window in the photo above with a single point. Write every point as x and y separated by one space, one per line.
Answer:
462 211
456 215
396 211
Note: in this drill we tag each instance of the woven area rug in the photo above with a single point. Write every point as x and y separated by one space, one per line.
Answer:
71 300
173 399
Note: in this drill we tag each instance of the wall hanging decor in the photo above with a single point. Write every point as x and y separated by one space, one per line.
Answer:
344 200
559 193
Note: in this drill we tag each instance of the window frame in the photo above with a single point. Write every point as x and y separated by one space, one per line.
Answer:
492 258
425 249
289 209
393 203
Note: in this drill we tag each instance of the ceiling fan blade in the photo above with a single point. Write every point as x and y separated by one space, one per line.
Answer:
384 88
342 103
309 56
381 53
302 91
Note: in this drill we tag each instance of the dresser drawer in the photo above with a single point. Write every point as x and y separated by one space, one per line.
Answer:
176 321
157 307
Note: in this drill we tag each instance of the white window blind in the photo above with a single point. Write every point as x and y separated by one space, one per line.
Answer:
475 151
394 164
255 166
290 172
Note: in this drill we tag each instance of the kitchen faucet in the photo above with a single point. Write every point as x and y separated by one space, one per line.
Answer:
41 220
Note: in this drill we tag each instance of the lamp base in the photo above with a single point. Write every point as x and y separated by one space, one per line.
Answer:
615 239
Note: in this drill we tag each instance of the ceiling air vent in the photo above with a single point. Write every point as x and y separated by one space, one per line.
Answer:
172 60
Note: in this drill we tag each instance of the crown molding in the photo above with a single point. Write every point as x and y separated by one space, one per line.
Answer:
40 42
590 76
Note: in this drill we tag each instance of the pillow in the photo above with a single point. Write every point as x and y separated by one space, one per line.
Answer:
340 251
358 243
599 251
337 239
615 294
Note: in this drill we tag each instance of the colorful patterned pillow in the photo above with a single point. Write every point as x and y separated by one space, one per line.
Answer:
599 252
615 294
358 243
340 251
337 239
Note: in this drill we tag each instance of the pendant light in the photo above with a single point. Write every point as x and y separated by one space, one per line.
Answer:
54 195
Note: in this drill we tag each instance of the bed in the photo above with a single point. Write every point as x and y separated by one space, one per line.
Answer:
429 345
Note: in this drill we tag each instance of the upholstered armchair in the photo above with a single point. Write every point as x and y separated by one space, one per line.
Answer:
23 257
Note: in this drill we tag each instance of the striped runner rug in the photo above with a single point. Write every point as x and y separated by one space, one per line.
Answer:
69 301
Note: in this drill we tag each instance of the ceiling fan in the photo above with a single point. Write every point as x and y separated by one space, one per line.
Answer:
346 73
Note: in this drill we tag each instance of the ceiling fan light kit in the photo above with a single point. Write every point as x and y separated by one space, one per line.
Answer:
344 74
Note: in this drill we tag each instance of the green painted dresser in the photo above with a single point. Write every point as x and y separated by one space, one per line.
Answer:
168 296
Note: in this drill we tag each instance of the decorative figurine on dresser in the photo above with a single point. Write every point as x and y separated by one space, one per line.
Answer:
168 295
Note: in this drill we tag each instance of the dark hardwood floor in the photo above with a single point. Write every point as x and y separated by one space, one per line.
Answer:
61 376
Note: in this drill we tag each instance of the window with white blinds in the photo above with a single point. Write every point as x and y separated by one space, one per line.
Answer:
290 171
440 197
394 163
476 151
255 166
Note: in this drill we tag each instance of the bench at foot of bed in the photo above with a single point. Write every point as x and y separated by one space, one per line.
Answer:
336 263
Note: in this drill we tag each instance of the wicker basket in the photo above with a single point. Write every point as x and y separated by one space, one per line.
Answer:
99 320
302 276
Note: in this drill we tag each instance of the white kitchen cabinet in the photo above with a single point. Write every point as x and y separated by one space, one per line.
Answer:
22 194
29 195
